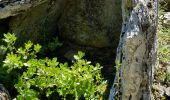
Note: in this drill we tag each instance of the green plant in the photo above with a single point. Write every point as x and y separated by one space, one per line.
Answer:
163 56
47 76
162 76
53 45
164 45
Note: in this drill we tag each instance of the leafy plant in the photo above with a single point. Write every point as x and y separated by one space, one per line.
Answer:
164 45
53 45
162 76
47 76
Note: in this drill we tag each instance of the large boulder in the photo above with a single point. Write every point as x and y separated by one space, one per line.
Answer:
4 95
95 23
84 22
39 23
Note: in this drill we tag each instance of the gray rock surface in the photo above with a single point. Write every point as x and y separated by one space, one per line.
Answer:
4 95
136 54
14 7
166 18
84 22
39 23
93 23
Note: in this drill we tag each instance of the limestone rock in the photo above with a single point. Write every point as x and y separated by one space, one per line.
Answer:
4 95
91 22
166 19
168 68
136 53
167 91
14 7
39 23
84 22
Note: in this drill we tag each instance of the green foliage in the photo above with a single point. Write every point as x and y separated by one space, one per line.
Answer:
162 76
163 56
55 44
47 76
10 40
164 45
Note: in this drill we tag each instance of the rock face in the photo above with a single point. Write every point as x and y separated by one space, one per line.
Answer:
39 23
91 22
136 53
15 7
85 22
4 95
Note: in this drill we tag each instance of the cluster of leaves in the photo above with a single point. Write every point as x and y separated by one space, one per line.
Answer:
48 76
164 44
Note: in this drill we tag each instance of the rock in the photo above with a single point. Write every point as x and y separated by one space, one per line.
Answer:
84 22
39 24
136 54
91 23
168 69
14 7
167 91
4 95
166 19
161 90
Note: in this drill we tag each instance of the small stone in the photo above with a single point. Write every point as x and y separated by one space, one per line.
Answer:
160 89
167 91
166 17
4 95
168 68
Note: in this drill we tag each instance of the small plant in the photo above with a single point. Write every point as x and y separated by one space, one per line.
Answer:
47 76
162 76
55 44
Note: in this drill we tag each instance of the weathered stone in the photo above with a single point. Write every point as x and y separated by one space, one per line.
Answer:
4 95
14 7
136 52
168 69
84 22
167 91
166 19
91 22
39 23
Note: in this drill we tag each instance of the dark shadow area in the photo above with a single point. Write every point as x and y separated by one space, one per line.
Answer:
4 26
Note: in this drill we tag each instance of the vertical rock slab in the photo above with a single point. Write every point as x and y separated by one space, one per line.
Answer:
136 53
